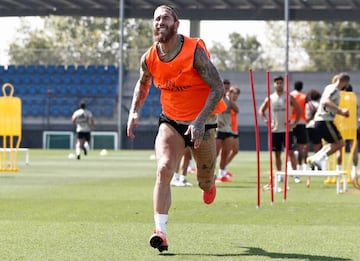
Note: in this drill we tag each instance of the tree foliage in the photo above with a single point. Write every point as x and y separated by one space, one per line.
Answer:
79 40
333 46
244 53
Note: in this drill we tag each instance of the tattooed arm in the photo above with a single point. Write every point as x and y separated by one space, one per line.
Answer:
211 76
141 91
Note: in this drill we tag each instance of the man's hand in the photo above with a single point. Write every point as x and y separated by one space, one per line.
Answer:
197 134
133 122
344 112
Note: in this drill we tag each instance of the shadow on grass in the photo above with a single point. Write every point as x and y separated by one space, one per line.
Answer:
258 252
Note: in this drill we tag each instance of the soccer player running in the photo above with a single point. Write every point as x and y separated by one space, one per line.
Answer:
191 93
324 120
84 121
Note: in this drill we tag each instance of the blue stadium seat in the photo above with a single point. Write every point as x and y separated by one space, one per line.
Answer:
16 79
62 89
100 69
26 109
85 78
108 111
40 69
30 69
26 79
42 89
83 89
11 69
21 69
6 78
66 78
32 90
56 78
73 89
97 79
76 78
55 110
66 111
91 69
92 89
96 111
50 69
112 69
116 79
70 69
36 110
46 78
146 111
80 69
108 79
157 110
60 69
20 90
35 79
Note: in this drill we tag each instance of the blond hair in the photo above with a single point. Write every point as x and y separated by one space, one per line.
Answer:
234 89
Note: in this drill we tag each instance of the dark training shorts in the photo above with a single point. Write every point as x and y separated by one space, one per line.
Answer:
328 131
278 141
181 128
84 136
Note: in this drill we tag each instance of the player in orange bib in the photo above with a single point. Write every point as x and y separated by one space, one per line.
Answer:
299 131
191 89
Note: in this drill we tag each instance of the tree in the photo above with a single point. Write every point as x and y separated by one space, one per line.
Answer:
80 40
243 54
333 46
275 45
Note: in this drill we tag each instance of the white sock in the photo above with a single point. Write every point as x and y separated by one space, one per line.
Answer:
324 165
86 145
338 167
289 166
298 167
191 164
222 173
304 167
160 222
354 169
176 176
182 178
77 150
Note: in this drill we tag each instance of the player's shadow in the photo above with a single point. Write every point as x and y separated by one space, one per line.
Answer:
258 252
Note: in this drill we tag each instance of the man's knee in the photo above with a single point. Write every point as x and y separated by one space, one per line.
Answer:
164 171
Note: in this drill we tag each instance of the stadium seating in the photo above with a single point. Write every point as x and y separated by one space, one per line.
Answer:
55 90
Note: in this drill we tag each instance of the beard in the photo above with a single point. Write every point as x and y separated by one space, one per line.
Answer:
165 36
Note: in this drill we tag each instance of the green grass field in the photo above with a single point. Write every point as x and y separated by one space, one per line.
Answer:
100 208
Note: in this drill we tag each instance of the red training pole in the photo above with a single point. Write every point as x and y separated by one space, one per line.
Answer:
256 136
270 136
286 132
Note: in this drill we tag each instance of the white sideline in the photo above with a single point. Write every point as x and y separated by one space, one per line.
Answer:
315 173
26 150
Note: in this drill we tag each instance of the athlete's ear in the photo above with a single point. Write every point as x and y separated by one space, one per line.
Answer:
177 24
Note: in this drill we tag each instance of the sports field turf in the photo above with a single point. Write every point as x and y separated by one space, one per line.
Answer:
100 208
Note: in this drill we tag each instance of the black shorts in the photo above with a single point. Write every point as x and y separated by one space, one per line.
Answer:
314 136
300 134
181 128
84 136
278 141
328 131
223 135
